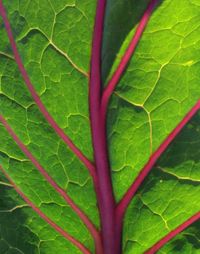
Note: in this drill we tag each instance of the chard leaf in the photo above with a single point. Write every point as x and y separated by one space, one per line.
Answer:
78 168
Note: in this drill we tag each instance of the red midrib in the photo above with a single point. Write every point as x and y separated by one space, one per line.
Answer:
105 195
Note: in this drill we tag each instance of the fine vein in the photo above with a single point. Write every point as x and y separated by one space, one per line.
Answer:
173 233
44 217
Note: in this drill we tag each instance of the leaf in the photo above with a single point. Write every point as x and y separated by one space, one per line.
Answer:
54 130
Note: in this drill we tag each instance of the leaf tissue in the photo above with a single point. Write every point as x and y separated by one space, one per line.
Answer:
99 126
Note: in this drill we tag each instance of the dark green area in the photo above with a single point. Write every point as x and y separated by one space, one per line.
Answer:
187 242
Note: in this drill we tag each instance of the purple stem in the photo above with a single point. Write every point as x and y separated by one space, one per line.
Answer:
106 201
110 89
38 101
47 219
123 204
92 229
173 233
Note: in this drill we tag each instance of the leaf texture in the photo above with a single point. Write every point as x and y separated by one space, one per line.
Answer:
159 86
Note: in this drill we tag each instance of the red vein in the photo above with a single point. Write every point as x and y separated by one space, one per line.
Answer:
173 233
38 101
127 56
44 217
105 197
75 208
123 204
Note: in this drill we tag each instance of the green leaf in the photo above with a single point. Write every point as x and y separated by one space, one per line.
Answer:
159 86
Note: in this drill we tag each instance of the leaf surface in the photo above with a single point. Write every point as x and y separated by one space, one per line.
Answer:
159 86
